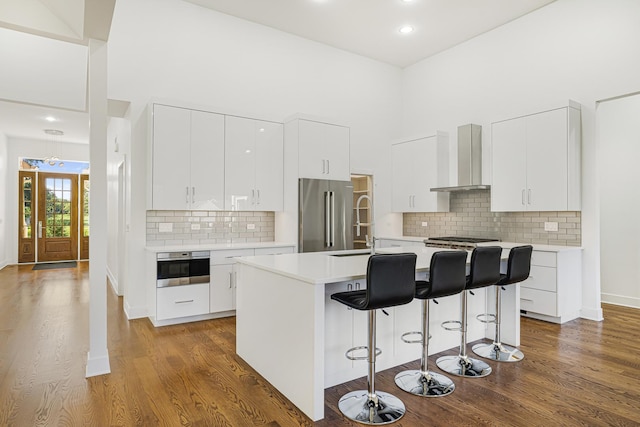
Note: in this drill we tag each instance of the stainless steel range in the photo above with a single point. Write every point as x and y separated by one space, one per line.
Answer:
456 242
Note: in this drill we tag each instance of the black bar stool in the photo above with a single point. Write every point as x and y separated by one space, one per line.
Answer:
484 271
518 268
390 282
446 277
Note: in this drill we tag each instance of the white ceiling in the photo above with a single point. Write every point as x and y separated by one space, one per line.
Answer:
365 27
370 27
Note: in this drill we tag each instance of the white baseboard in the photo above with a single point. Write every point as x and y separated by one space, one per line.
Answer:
98 365
592 314
3 264
113 281
620 300
134 312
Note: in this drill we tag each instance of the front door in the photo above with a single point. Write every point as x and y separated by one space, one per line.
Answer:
57 217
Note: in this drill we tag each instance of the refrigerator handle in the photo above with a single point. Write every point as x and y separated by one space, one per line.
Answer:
332 198
327 219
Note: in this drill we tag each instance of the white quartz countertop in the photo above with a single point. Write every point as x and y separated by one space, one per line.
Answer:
325 267
536 247
217 246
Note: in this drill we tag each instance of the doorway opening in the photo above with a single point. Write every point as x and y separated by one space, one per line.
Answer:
53 211
362 186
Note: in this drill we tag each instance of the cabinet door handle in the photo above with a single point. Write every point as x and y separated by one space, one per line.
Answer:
253 197
193 194
526 299
529 197
183 302
349 286
323 170
328 167
258 192
523 197
230 279
357 286
187 199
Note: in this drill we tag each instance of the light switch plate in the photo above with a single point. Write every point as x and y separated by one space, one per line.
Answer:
550 226
165 227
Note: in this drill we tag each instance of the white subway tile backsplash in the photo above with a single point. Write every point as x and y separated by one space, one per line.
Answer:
215 227
470 215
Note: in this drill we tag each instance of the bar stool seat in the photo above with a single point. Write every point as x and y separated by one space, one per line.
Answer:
446 277
390 282
518 269
484 271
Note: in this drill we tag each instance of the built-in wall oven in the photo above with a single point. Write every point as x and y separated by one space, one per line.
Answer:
182 268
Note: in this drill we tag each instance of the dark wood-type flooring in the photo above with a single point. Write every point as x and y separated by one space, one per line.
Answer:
581 373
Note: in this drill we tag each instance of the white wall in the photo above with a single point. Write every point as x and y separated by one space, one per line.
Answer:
118 139
619 136
37 149
176 50
3 200
584 50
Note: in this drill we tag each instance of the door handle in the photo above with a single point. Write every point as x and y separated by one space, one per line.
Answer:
193 194
328 167
39 229
187 195
327 220
529 197
523 196
332 199
253 197
230 280
258 192
323 167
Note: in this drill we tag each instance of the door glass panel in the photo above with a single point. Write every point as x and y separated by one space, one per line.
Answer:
85 208
58 207
27 217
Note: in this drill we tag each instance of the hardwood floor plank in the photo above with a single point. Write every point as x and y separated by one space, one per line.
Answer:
580 373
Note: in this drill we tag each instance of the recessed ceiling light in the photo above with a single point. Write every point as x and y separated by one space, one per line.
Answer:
54 132
51 119
406 29
407 1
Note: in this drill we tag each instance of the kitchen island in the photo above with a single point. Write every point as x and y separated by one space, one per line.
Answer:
291 332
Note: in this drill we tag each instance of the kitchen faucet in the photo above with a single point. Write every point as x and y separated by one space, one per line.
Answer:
371 243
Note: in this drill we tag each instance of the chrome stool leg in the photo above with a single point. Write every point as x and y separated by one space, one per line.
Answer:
496 350
463 365
370 406
424 382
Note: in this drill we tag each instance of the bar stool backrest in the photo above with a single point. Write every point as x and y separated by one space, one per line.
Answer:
518 266
391 280
485 267
447 273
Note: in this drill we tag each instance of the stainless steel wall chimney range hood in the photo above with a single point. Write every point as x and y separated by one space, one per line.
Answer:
469 160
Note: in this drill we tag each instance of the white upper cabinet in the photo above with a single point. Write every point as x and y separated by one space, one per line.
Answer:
323 151
417 166
187 159
254 165
536 162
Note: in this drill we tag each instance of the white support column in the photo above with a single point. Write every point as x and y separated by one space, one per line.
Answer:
98 356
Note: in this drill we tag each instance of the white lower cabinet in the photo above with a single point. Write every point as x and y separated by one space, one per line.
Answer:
398 243
182 301
222 296
553 291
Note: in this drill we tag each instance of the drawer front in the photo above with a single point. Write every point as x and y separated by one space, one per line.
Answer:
182 301
274 251
542 302
543 259
542 278
226 256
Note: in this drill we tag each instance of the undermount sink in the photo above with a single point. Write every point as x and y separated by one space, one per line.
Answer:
356 254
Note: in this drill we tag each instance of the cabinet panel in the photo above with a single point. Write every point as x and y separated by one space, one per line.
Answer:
402 192
338 325
182 301
269 166
239 158
222 290
323 151
547 161
542 302
508 186
542 278
207 161
171 157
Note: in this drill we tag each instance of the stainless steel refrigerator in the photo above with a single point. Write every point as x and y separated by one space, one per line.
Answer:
326 215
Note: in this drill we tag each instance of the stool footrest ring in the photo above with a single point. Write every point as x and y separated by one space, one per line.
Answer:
452 328
486 317
412 341
362 347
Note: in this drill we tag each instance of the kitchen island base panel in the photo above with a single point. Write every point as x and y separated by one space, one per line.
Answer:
280 333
